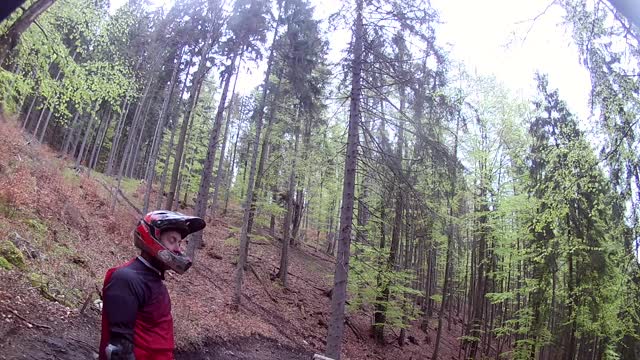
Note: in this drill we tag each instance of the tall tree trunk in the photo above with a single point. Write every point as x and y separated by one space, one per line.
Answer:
46 125
69 134
264 153
379 314
244 234
205 181
115 142
157 137
229 171
450 235
167 158
28 115
477 310
133 158
129 145
198 79
97 146
219 172
88 130
339 297
284 255
10 38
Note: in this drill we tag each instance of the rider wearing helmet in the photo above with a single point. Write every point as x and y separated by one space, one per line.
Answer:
136 315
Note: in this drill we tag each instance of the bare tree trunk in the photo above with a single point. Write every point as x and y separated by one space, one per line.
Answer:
10 38
264 153
130 141
113 153
133 158
69 134
198 79
42 112
450 243
212 147
219 172
244 234
88 130
229 171
339 296
97 146
157 137
28 115
379 313
284 255
46 125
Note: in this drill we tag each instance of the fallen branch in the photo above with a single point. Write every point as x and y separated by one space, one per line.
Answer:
129 202
82 342
262 283
123 196
353 328
332 261
308 282
85 304
29 322
201 273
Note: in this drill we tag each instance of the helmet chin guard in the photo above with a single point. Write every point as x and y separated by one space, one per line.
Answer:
147 237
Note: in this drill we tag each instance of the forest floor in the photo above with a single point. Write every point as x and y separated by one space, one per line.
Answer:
58 230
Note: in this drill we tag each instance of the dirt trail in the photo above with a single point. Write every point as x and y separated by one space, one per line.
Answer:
252 348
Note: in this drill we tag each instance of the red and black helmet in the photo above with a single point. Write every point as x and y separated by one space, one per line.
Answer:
147 236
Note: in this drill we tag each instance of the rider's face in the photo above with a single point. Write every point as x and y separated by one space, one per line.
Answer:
172 240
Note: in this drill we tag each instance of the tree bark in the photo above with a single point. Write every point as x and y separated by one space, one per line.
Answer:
212 147
229 171
157 137
284 255
450 243
339 297
113 153
9 40
86 135
244 235
264 153
219 172
69 135
198 79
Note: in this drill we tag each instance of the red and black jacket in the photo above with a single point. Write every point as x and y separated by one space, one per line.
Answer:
136 307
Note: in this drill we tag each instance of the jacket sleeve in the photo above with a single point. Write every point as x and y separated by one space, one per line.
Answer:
123 296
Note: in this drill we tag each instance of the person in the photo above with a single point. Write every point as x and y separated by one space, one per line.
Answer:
136 314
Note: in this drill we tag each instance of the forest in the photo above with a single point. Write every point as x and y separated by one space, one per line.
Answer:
442 197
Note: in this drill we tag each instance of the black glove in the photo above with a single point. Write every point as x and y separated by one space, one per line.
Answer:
120 349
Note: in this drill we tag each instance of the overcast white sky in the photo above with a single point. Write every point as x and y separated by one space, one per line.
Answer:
488 38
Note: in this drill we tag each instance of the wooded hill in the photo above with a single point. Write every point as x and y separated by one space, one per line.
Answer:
442 196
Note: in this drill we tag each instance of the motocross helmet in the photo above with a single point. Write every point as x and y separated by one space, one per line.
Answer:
146 236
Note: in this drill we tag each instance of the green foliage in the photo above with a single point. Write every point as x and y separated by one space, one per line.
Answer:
369 281
5 264
38 229
12 254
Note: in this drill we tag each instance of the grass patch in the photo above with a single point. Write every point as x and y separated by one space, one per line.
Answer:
127 185
12 254
232 241
234 230
38 229
5 264
70 176
260 238
53 290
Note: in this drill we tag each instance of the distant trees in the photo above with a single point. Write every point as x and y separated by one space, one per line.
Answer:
444 198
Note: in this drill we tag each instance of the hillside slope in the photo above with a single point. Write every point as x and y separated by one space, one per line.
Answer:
58 236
